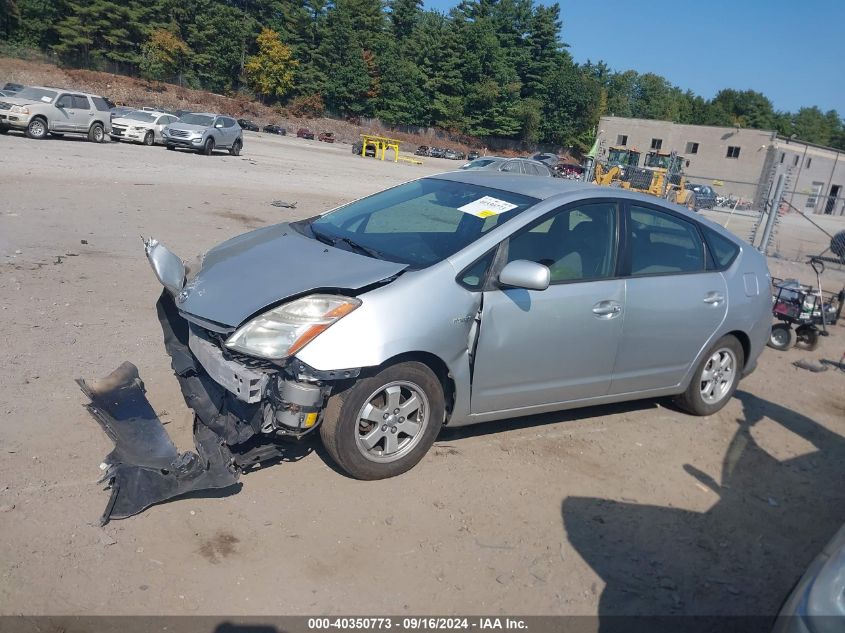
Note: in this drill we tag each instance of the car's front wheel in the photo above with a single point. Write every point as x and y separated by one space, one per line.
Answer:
208 148
149 138
383 425
716 378
37 128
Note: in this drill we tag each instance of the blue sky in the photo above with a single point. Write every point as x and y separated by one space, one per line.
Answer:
793 51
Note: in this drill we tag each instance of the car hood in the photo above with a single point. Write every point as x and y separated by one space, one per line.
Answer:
188 126
248 273
20 101
132 123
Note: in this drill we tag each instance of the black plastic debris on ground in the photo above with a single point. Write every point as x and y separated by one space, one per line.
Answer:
145 468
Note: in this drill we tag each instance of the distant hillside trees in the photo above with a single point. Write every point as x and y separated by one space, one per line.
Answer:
485 68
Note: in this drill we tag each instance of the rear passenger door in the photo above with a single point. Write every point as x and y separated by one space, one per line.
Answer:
673 304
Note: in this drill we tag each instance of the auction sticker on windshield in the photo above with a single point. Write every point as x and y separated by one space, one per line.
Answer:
487 206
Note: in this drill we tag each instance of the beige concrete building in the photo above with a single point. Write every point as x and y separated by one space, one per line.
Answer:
739 162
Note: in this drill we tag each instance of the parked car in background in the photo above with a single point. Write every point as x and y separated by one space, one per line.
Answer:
358 146
453 154
204 132
422 150
246 124
326 137
275 129
6 93
549 271
39 111
304 132
141 126
12 87
705 196
437 152
118 111
522 166
472 155
547 158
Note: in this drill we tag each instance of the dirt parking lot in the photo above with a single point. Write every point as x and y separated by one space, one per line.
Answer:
633 508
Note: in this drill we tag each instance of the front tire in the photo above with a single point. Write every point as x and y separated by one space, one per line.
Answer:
781 337
715 379
149 138
208 148
37 129
382 426
171 147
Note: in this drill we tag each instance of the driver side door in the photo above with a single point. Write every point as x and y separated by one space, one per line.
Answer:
64 114
541 347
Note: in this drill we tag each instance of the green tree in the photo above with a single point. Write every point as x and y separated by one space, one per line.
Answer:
270 71
163 55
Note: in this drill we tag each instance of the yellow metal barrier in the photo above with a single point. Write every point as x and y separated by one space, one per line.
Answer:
382 144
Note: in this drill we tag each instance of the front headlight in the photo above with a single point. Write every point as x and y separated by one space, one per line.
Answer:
20 109
283 331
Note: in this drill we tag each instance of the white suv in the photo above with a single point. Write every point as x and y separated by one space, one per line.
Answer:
41 111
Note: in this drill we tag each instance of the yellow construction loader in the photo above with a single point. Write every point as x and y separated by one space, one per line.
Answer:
662 176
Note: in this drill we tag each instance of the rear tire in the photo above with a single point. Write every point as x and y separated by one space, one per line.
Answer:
96 134
781 337
170 147
37 129
715 379
149 138
807 337
208 148
364 430
236 148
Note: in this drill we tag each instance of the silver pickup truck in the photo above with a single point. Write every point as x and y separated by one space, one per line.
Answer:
40 111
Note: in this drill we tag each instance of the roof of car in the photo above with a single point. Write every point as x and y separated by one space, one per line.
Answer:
76 92
540 187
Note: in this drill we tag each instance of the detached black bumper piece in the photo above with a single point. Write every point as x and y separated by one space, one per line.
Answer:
145 468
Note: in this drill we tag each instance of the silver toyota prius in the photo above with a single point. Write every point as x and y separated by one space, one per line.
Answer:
450 300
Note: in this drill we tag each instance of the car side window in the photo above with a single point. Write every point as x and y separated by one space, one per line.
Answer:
80 102
512 166
661 243
228 123
101 104
577 242
65 101
723 250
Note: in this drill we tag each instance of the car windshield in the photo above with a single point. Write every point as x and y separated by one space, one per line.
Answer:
197 119
419 223
478 163
37 94
138 115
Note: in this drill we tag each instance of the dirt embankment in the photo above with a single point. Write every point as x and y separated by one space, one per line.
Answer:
139 92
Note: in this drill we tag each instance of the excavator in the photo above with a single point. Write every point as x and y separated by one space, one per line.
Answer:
662 175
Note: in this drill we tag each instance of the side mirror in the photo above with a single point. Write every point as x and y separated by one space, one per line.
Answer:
219 124
524 274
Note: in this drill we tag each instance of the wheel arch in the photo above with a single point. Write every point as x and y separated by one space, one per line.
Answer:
744 341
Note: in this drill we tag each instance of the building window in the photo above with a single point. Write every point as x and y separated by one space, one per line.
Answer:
692 148
813 197
733 151
809 161
657 143
795 161
622 140
782 156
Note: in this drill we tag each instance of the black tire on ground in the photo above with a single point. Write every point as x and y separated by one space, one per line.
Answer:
807 337
235 150
692 400
170 147
37 128
342 427
96 134
781 337
208 147
4 130
149 138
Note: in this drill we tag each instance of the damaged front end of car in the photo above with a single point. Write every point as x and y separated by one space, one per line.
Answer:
246 407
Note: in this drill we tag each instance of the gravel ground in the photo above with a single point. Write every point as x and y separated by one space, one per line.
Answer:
633 508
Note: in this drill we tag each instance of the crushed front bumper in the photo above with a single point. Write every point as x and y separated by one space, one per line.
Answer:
233 430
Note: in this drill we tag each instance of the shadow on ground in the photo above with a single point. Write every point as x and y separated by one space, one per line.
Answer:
743 555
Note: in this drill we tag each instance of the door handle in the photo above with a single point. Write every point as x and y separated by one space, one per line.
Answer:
714 298
607 309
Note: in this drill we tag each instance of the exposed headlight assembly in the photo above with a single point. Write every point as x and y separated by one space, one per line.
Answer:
167 266
284 330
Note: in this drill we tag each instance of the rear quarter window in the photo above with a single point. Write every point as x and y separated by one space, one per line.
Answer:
101 104
723 250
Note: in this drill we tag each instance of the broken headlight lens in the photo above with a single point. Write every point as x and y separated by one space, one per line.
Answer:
283 331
